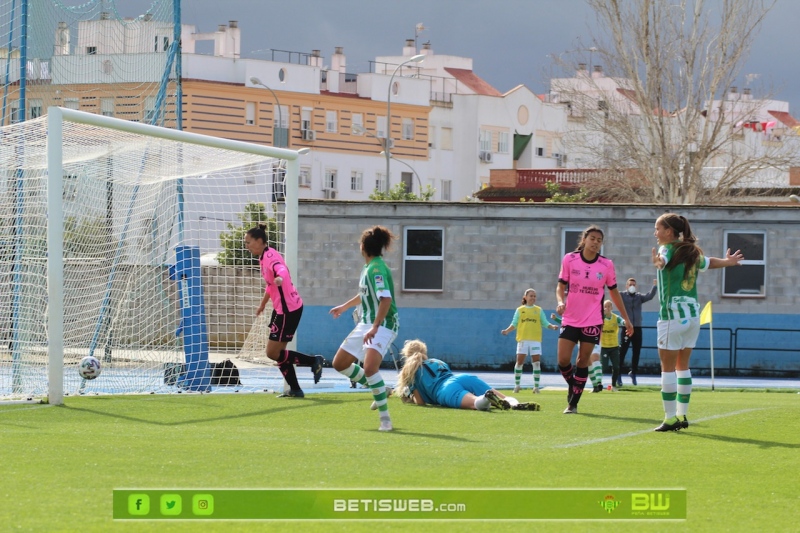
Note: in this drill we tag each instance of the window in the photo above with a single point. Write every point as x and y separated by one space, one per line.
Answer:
570 237
485 138
282 116
305 119
502 142
249 113
423 258
280 125
748 279
330 179
331 122
91 50
380 182
357 122
16 115
36 107
356 180
408 129
166 44
71 103
446 141
70 186
381 128
150 109
539 151
407 179
304 177
107 107
446 187
431 136
279 186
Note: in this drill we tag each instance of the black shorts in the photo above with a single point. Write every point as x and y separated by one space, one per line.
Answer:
589 334
282 327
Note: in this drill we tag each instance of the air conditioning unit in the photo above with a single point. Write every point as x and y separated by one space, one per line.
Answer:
485 156
330 194
309 135
560 160
391 143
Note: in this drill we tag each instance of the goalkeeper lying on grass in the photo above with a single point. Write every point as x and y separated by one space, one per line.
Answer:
429 381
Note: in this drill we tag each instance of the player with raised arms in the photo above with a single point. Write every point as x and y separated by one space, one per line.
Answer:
679 260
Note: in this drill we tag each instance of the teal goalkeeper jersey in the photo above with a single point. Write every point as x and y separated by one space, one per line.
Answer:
376 282
677 294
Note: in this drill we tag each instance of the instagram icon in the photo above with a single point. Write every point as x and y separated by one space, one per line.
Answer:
202 504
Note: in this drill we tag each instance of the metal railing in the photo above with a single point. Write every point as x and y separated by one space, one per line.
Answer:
737 345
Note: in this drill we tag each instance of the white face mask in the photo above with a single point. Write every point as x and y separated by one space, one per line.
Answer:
632 289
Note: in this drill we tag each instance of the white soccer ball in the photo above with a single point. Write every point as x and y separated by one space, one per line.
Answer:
89 367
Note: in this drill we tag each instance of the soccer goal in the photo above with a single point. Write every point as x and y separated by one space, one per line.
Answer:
123 241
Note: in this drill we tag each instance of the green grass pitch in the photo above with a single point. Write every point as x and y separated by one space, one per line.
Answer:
738 460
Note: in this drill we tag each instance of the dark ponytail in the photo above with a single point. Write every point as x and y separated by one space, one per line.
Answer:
687 252
258 233
375 240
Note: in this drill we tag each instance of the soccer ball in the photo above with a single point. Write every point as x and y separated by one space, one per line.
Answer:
89 367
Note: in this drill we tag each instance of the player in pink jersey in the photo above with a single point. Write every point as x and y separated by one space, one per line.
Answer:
584 276
287 308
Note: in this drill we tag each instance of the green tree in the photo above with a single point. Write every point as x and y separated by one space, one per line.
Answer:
399 193
233 251
556 195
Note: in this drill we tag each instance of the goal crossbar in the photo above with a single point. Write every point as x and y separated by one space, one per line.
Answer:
55 226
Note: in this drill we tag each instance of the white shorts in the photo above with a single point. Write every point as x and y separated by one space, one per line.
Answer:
354 343
529 348
678 334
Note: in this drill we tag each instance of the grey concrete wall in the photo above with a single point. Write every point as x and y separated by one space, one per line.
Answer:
494 251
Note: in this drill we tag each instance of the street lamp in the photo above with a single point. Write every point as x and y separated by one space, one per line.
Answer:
415 59
794 198
255 81
419 181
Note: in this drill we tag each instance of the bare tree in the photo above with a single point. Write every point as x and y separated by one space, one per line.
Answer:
661 107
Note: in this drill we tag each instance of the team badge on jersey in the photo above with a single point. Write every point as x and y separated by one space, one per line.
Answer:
379 281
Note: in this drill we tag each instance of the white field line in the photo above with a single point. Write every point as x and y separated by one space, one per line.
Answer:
8 411
646 431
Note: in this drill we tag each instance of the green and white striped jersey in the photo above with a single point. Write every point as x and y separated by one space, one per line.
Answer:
376 282
678 296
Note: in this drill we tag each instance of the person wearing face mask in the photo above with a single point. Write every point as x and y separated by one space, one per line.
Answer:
633 301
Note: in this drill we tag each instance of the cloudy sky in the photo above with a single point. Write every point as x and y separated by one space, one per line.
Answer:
509 40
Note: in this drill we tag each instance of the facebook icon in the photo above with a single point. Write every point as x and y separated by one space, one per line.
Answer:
138 504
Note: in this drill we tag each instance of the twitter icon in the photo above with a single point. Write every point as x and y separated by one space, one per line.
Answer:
170 504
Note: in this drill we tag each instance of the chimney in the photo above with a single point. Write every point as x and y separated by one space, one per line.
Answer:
426 49
582 70
315 59
148 17
747 94
410 49
733 93
62 40
221 27
598 71
339 61
105 15
233 23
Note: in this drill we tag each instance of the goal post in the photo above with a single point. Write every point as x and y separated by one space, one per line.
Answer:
120 197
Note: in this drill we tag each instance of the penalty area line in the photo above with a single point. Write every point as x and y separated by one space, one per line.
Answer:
646 431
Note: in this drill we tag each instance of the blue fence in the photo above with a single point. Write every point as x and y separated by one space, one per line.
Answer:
470 338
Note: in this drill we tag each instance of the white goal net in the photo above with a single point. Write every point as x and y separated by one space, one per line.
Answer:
95 213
